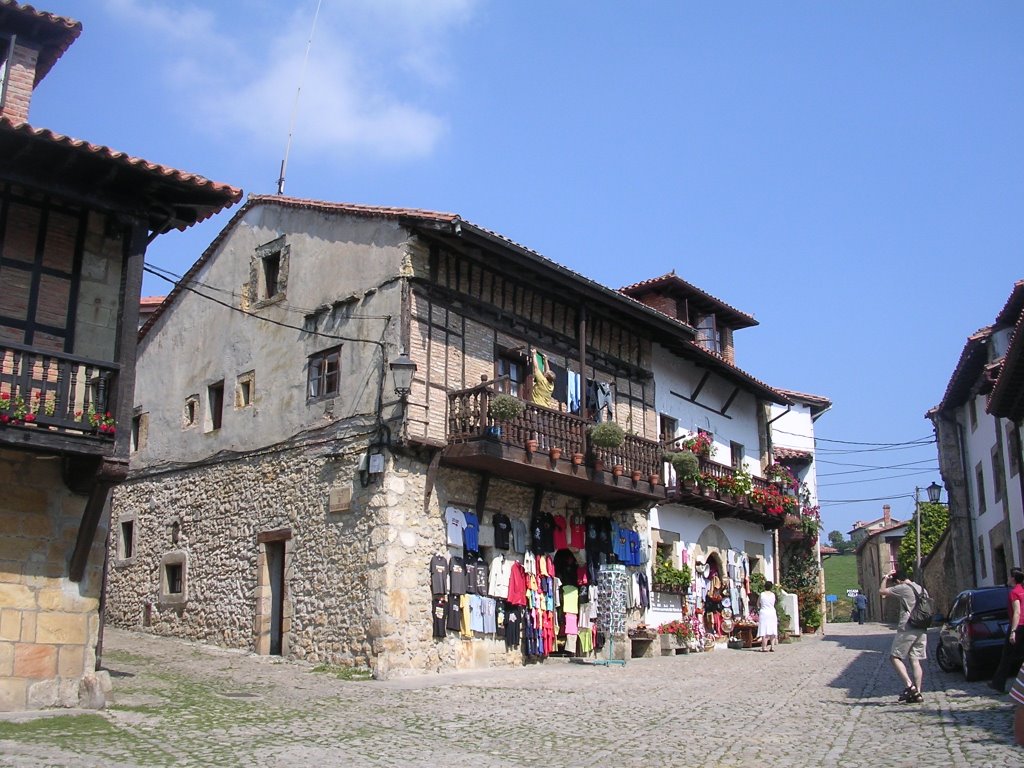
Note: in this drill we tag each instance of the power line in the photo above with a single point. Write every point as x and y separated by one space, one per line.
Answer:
859 501
880 479
870 467
918 441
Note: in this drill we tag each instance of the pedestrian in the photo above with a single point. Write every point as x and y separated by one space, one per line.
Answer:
860 602
1013 646
1017 694
909 643
767 618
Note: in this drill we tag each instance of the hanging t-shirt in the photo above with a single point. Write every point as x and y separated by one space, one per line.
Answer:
577 533
558 533
517 584
457 576
470 576
497 582
520 536
471 538
570 600
480 577
440 616
453 618
502 530
455 520
438 575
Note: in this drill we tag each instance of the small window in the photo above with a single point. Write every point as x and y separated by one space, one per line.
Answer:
737 452
510 374
979 476
127 538
245 390
215 400
972 412
191 413
140 431
1013 449
981 557
268 271
174 578
324 373
708 335
997 475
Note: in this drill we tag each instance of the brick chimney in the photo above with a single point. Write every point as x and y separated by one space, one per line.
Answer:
31 42
886 515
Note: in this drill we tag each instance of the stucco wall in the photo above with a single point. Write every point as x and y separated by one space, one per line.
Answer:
48 624
99 291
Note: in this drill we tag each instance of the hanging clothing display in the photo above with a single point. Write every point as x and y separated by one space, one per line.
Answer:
455 522
438 574
501 528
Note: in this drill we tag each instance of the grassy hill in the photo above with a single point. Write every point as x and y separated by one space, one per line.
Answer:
840 575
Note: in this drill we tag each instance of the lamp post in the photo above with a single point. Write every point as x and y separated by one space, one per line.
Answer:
402 369
934 491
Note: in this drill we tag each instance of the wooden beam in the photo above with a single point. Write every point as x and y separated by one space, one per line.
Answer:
700 385
699 405
728 402
481 494
110 473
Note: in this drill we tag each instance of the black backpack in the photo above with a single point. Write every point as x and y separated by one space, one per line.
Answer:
922 612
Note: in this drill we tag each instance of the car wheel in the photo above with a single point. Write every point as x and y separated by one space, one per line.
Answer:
969 667
943 659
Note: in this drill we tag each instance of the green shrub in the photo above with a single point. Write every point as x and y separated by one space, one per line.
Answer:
607 434
686 465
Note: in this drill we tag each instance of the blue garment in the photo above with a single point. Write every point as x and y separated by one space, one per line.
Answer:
471 535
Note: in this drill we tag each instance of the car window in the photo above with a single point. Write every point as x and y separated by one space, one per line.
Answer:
990 600
959 609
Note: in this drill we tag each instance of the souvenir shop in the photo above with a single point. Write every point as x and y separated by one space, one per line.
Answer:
556 583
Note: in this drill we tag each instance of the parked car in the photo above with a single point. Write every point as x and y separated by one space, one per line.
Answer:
971 638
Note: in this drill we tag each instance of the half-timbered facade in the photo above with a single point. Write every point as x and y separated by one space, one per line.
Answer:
75 220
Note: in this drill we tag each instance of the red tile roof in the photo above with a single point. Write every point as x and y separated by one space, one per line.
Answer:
791 454
1007 396
54 33
671 280
803 397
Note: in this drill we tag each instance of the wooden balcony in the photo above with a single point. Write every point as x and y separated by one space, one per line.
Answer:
46 399
723 505
476 442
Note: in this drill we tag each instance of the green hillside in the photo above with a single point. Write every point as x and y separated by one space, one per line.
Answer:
840 575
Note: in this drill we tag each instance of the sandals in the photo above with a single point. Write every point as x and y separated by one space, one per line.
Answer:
911 695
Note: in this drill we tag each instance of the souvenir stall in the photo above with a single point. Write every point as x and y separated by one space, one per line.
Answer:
556 584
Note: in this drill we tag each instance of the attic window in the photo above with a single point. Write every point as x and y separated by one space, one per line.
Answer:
6 49
708 335
268 272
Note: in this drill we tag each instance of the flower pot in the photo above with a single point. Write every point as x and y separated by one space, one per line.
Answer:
668 642
653 479
531 446
577 458
635 475
618 470
555 453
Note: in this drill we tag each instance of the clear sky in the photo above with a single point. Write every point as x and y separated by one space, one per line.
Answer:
852 174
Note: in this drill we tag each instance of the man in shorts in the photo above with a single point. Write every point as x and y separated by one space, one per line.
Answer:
909 642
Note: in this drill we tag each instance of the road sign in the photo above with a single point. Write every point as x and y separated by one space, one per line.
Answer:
851 592
831 598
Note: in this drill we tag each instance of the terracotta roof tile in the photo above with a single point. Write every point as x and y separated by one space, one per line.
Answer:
791 454
61 32
163 172
671 279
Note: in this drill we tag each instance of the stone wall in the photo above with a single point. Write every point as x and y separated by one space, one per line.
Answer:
358 589
49 625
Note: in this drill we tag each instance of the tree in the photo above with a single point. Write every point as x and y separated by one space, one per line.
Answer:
934 519
835 539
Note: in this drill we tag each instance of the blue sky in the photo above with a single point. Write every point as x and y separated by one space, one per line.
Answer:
852 174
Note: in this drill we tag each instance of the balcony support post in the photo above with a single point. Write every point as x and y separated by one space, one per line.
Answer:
111 472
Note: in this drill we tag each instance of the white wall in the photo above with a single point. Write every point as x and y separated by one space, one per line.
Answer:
793 427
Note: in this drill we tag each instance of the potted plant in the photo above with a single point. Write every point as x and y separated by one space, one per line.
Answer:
742 483
503 408
699 444
675 635
607 434
12 408
708 484
687 467
669 579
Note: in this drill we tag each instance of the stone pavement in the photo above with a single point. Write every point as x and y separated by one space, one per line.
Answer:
820 701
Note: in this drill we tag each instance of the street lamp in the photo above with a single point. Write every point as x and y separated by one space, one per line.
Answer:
402 368
934 491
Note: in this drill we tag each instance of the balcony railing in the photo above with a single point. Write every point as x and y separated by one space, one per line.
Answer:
54 391
723 503
469 419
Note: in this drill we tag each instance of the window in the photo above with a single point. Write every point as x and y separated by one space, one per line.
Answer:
174 578
1013 449
999 564
324 373
979 476
737 453
6 50
245 389
981 558
191 413
268 272
140 431
514 368
126 542
972 412
708 335
215 401
997 475
668 430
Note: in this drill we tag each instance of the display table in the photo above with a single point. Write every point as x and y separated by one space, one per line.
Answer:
746 633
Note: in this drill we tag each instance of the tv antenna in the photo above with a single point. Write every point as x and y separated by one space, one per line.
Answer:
295 106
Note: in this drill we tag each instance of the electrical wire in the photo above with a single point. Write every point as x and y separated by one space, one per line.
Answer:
918 441
880 479
870 468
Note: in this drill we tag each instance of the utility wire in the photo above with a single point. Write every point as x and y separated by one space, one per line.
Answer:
869 468
880 479
918 441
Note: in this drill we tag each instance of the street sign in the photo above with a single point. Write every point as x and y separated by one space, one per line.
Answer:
851 593
831 598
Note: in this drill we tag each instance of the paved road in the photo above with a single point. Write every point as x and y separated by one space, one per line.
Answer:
821 701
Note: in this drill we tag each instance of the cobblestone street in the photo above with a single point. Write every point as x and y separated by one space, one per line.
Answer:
820 701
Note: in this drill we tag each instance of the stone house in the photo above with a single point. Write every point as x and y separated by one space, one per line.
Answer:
977 424
864 528
75 220
288 489
877 556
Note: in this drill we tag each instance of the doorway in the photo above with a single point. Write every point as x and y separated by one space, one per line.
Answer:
275 575
273 613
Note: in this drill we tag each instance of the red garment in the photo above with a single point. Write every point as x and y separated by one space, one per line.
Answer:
560 527
1017 595
577 534
517 584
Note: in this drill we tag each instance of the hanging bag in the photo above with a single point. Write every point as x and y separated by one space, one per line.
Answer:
922 612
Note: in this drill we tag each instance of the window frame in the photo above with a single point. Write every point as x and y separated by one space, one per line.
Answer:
319 360
276 252
179 560
215 406
979 480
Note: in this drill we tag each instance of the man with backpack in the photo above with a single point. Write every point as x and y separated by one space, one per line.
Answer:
911 642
